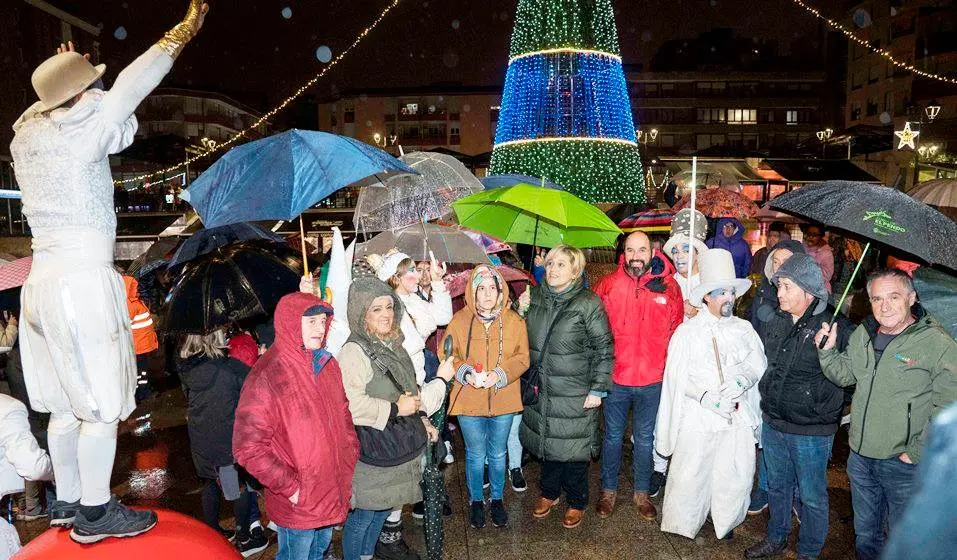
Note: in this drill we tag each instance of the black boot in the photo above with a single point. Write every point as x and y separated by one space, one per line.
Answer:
392 546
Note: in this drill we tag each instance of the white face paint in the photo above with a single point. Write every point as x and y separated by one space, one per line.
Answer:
720 302
680 254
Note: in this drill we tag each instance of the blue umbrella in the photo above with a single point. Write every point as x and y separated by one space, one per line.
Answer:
499 181
207 240
279 177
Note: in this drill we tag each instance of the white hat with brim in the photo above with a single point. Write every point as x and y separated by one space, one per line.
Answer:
62 77
683 239
717 271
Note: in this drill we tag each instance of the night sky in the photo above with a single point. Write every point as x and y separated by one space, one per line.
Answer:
248 46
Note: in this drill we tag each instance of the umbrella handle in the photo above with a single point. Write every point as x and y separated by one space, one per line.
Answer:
302 239
847 288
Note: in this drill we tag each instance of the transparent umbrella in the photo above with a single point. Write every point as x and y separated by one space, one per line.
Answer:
405 200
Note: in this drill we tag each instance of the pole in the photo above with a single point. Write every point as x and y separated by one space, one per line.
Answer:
302 240
847 288
694 200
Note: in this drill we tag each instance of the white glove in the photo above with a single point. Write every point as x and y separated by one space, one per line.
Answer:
735 387
713 401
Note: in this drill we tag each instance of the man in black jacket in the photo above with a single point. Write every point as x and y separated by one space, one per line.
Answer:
801 409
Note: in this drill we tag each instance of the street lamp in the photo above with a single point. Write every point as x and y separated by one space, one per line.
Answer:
909 137
824 136
645 137
382 141
932 111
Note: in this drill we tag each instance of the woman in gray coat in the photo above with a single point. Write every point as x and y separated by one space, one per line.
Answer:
562 428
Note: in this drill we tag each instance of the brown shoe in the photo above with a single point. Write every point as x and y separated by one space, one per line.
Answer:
646 509
573 518
543 507
606 503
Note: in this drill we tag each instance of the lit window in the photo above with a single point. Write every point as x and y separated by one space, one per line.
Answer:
792 117
742 116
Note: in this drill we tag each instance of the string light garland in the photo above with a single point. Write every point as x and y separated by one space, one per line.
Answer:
274 111
565 113
882 52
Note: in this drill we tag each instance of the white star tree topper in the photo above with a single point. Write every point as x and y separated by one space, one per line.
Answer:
907 137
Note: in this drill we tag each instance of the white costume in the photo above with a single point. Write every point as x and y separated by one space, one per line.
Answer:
421 319
20 457
712 459
77 349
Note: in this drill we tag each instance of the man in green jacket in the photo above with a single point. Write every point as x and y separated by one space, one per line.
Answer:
905 367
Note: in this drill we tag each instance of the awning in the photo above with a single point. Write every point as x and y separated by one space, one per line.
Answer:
819 170
737 171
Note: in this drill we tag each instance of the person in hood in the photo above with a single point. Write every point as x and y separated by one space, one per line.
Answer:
212 381
816 245
710 413
381 387
777 232
20 458
644 307
77 350
730 237
490 350
801 410
570 344
293 430
905 367
144 336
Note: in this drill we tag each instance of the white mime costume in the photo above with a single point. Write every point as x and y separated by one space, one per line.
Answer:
712 458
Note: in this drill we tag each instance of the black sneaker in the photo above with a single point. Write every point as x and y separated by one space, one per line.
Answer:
485 481
477 515
62 514
253 545
447 506
657 481
498 514
418 510
765 549
518 480
118 521
396 550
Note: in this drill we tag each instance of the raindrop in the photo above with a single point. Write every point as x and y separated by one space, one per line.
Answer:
286 12
450 59
646 36
277 49
893 11
441 99
885 118
363 97
324 54
466 108
862 18
120 33
503 16
714 3
712 49
369 124
455 24
124 5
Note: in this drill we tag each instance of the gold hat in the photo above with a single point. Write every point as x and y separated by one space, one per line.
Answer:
62 77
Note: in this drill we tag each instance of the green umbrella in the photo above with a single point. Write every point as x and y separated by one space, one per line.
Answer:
536 216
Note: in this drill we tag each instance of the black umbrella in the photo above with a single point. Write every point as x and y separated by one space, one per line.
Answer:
433 481
206 241
877 213
155 257
234 282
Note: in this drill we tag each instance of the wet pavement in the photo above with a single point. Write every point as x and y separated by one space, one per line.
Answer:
154 468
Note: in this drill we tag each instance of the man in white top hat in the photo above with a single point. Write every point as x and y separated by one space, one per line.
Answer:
678 248
710 411
77 350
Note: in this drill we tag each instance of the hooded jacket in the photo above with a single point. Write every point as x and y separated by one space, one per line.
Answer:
473 344
643 313
577 363
141 321
898 395
212 387
765 302
293 430
736 245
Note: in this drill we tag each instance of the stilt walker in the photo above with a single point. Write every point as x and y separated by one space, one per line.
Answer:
77 349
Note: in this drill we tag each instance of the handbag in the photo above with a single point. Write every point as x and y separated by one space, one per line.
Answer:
531 379
403 438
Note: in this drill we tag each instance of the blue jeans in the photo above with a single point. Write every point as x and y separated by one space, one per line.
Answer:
797 460
515 444
880 490
926 529
303 544
486 439
361 532
643 403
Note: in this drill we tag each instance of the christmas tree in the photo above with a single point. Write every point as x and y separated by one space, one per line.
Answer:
565 112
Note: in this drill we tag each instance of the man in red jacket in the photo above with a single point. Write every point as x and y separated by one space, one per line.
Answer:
293 430
644 307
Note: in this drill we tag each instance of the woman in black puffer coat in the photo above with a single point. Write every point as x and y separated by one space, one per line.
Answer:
562 428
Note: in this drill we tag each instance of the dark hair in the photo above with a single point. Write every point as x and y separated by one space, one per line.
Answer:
897 273
806 227
778 227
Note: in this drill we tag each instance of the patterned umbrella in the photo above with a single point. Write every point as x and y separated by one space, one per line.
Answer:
455 283
649 221
939 193
410 199
721 203
486 241
14 274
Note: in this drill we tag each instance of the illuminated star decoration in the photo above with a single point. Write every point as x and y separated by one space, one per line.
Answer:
907 137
